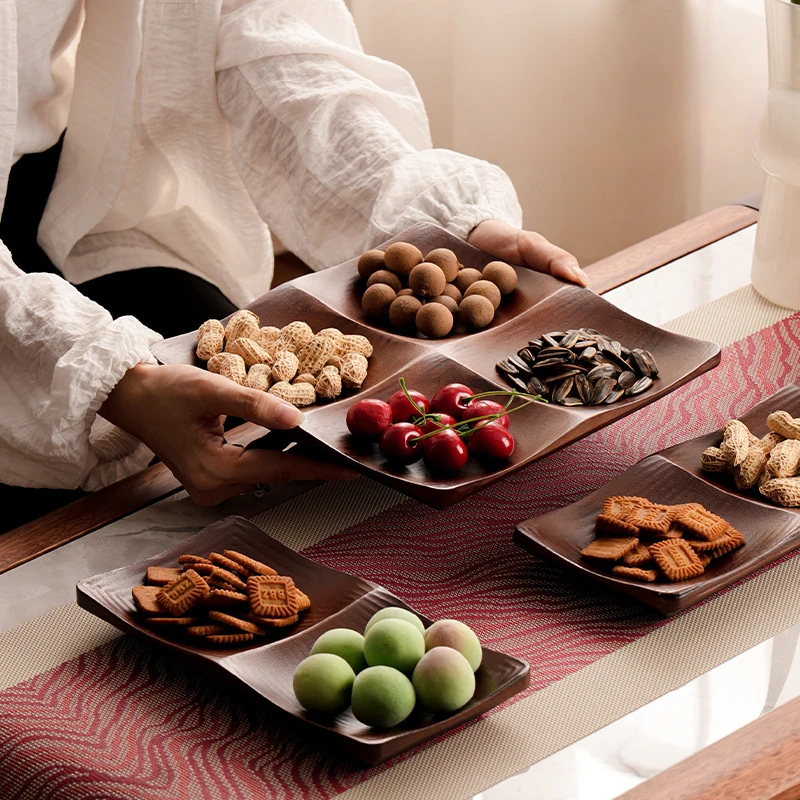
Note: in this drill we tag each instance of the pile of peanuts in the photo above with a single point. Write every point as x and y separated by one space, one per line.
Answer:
772 463
291 362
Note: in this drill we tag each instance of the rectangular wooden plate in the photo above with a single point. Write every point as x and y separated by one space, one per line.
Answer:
539 304
670 477
337 600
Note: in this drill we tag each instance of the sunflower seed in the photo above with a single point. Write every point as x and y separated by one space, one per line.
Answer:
553 340
566 371
601 371
616 347
641 385
614 358
638 363
556 352
626 380
602 389
535 386
548 362
535 344
570 338
584 388
583 343
648 359
516 382
506 368
615 395
527 356
562 390
588 353
571 400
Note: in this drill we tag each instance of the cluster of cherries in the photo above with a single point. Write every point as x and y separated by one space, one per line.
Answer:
444 431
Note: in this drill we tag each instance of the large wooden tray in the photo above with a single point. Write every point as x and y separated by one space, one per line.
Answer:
337 600
540 304
674 476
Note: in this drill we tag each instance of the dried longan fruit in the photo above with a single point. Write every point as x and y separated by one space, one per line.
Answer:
465 278
451 290
434 320
426 280
502 275
447 302
476 311
377 299
369 262
487 289
403 310
404 292
446 260
401 258
385 277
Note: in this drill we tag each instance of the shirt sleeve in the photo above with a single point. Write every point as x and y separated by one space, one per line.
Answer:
60 356
333 145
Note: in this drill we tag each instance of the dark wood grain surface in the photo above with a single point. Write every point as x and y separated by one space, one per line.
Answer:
655 252
758 762
90 513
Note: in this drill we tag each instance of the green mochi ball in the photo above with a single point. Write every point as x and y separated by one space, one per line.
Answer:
382 697
393 612
323 683
343 642
394 643
443 680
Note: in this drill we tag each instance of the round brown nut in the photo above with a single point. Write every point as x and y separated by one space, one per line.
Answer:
403 311
476 311
446 260
385 277
434 320
404 292
377 299
426 280
447 302
452 291
487 289
502 275
401 258
369 262
466 277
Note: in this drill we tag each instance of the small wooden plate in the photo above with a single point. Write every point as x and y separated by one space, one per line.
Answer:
337 600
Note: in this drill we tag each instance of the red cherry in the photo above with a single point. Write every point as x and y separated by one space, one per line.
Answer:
445 451
491 440
369 418
452 399
397 443
436 422
482 408
403 410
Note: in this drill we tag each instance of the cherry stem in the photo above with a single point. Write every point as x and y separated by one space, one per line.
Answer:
411 400
468 424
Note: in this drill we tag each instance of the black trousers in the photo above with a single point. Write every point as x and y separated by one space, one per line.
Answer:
148 293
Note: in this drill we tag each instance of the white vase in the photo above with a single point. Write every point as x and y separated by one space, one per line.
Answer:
776 259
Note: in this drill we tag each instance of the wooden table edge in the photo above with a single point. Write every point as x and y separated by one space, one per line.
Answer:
156 482
756 762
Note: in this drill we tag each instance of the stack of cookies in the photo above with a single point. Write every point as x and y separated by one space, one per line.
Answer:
225 599
645 541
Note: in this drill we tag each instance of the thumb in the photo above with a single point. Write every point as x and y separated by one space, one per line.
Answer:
252 405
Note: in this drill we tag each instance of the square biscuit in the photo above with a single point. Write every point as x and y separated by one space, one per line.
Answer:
272 596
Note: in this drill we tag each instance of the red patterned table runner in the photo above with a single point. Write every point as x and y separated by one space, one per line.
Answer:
122 722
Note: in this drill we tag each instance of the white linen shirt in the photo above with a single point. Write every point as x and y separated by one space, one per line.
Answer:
191 125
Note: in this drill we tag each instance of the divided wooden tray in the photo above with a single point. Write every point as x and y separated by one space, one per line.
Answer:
338 600
540 304
674 476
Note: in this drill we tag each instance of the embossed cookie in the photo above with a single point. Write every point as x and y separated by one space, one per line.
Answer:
644 575
652 517
187 590
609 548
607 525
235 622
249 563
676 559
161 576
272 595
620 506
145 599
637 557
701 522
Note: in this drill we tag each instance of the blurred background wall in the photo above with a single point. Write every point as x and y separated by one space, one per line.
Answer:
615 118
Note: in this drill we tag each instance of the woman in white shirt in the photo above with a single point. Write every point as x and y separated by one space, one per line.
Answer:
190 127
